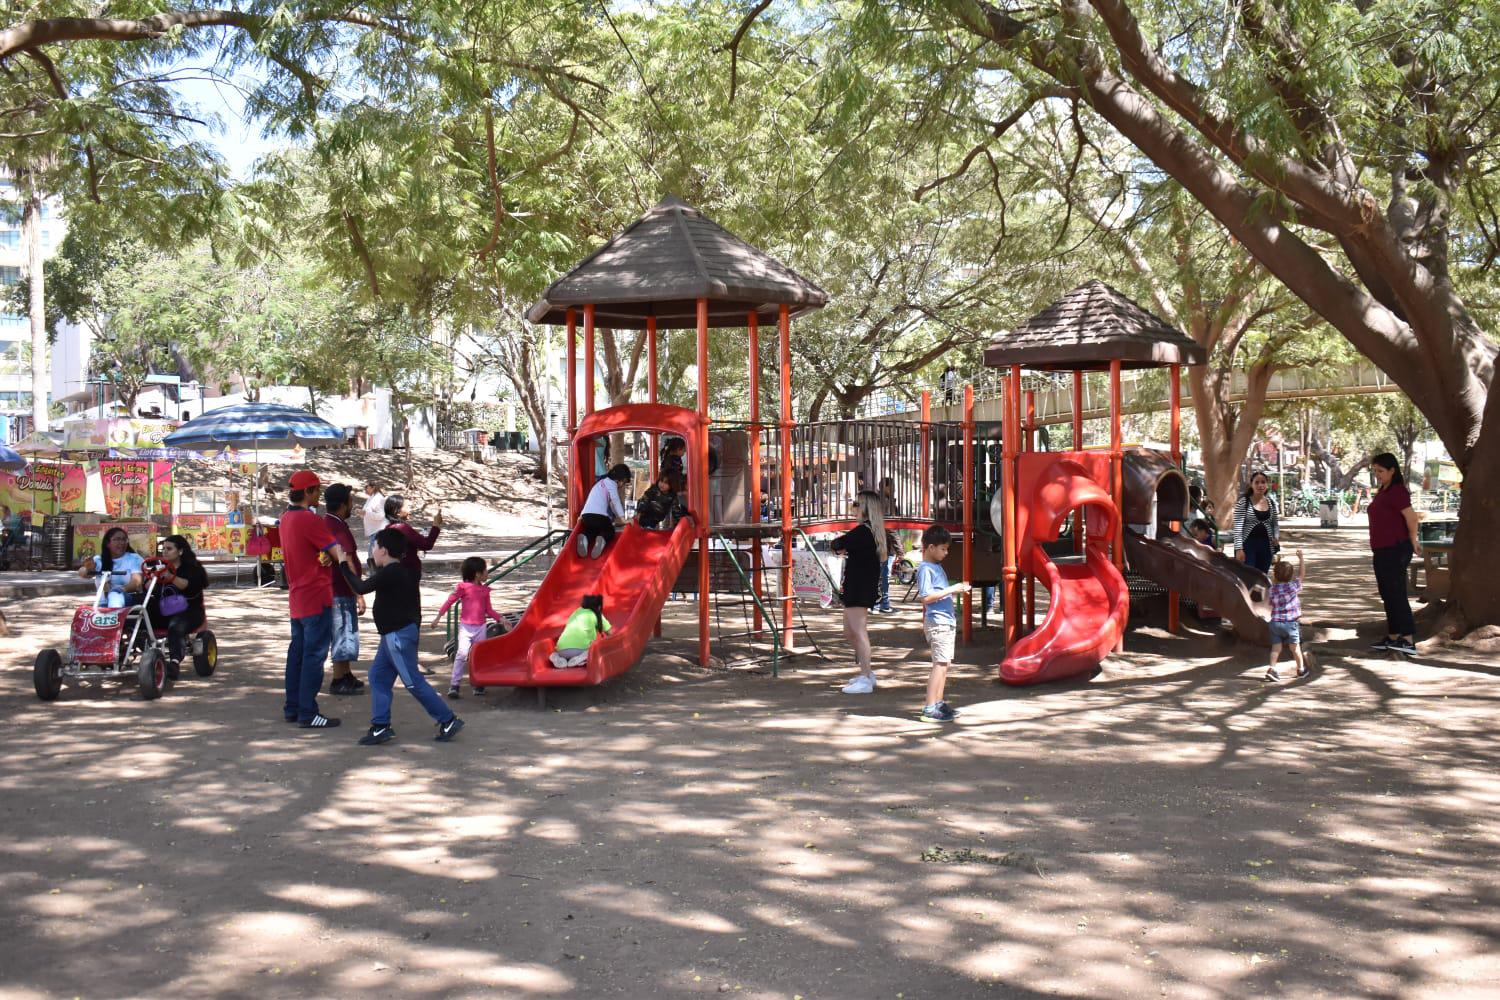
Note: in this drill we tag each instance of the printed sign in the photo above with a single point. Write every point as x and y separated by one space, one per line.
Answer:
88 539
44 488
211 534
96 634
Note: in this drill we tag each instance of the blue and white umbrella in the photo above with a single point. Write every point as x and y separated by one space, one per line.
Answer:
255 425
10 459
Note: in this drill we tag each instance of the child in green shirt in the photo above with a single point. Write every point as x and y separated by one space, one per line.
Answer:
583 627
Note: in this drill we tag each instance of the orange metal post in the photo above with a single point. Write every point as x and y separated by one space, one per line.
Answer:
651 387
572 335
1030 446
1010 416
753 328
1175 443
1117 460
926 458
700 480
1116 456
588 360
1078 446
784 333
968 487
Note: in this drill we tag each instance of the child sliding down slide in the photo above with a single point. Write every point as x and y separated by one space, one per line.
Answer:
583 627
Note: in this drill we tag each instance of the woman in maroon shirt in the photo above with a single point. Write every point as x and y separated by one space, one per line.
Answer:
1393 542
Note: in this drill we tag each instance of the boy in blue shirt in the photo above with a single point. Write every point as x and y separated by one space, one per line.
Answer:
939 622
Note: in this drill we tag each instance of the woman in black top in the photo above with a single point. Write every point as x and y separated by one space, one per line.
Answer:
864 551
183 575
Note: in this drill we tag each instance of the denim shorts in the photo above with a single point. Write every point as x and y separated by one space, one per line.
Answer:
1286 633
345 648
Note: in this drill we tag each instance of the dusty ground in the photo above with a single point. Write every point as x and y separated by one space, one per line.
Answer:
1171 829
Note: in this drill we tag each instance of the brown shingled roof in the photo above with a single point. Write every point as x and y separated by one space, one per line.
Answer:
1089 327
666 260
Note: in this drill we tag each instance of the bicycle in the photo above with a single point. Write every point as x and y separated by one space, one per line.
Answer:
1353 501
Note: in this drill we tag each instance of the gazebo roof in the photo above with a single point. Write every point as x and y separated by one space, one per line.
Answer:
666 260
1088 328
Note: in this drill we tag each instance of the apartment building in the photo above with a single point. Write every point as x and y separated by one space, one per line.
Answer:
15 326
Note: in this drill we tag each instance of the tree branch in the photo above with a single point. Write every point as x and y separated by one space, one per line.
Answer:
733 45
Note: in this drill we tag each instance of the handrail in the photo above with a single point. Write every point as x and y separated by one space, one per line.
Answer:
765 612
507 566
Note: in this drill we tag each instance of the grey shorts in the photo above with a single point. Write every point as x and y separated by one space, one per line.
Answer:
940 638
1286 633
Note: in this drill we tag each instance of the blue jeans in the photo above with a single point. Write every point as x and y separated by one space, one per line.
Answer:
345 647
311 637
884 603
397 657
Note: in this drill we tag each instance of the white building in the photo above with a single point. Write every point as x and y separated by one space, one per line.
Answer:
15 326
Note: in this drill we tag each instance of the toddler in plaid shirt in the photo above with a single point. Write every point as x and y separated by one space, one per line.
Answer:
1286 613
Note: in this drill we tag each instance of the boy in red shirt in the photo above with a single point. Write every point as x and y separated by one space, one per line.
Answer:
309 552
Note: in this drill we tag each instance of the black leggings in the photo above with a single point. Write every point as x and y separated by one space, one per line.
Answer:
597 526
1390 576
178 627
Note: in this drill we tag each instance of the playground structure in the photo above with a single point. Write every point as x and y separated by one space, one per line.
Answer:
1013 510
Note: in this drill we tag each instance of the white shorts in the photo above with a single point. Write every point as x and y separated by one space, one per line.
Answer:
940 638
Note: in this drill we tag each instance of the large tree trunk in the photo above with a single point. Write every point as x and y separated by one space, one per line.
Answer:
1224 434
1406 318
31 223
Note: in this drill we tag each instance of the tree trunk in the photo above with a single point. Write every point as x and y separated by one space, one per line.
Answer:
31 223
1224 434
1473 593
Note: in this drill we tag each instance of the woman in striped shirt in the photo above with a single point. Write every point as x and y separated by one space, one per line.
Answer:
1257 530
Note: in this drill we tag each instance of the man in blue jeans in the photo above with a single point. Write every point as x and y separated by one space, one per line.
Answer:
309 552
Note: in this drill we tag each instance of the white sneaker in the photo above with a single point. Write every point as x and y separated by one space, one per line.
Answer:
598 548
583 545
863 684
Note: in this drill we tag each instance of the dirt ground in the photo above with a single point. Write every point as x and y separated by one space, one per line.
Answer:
1172 828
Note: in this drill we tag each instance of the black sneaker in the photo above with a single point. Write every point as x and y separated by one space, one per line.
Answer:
479 690
340 685
941 712
1382 645
377 735
1403 646
319 721
448 730
454 692
355 684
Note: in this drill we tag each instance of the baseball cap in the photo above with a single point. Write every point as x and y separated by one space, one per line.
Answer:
304 479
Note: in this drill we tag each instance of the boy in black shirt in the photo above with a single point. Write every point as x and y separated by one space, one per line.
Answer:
398 615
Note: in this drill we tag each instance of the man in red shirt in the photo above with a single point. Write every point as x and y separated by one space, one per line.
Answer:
309 553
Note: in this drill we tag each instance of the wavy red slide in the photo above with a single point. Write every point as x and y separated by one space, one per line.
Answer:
1089 602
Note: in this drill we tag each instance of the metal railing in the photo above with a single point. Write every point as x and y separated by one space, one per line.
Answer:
516 560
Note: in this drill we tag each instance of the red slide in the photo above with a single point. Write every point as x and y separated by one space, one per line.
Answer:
634 575
1089 602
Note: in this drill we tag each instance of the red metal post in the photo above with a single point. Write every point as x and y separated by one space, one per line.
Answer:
784 332
926 458
700 480
1175 443
572 336
753 328
588 360
968 488
1010 417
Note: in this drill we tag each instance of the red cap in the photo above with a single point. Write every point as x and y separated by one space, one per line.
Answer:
304 479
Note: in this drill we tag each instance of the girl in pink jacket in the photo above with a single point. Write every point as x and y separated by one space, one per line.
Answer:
473 599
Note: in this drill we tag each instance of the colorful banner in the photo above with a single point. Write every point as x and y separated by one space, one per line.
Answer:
211 534
103 435
44 488
127 490
88 538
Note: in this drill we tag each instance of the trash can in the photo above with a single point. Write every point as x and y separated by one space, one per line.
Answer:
1328 513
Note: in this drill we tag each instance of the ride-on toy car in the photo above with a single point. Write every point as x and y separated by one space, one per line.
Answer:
118 643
